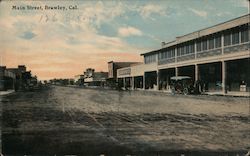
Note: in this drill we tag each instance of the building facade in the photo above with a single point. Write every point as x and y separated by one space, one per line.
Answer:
113 66
112 71
7 79
92 78
79 79
218 56
16 78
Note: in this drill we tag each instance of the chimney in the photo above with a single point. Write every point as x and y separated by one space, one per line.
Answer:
163 44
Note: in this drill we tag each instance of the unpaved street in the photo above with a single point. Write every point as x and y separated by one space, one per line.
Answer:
64 120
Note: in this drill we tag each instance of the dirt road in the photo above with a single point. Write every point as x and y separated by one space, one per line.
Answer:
64 120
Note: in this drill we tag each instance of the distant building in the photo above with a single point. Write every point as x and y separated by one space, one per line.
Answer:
33 80
62 82
113 66
112 70
16 78
26 79
79 79
131 77
18 71
71 81
7 79
88 73
92 78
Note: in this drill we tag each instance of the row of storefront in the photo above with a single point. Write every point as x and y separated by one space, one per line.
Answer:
218 56
16 78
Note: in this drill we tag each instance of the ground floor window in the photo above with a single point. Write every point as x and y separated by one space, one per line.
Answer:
238 75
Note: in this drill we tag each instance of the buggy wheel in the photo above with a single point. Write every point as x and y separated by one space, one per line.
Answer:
185 91
172 90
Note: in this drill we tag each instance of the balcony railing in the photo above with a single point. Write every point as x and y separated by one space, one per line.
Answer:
186 57
166 61
237 48
208 53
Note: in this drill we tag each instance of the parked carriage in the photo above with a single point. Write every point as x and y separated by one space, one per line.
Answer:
184 85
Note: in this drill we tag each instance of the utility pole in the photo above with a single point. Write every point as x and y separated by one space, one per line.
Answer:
249 53
248 6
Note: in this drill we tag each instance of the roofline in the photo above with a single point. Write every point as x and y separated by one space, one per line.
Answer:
135 64
213 26
154 51
122 62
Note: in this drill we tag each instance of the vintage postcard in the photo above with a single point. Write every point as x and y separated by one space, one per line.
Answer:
125 77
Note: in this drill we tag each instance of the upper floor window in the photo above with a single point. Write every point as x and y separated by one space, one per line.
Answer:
211 43
149 58
182 50
244 34
173 52
190 47
198 46
185 48
217 41
162 55
204 44
178 51
168 53
235 36
227 39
